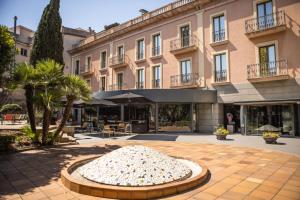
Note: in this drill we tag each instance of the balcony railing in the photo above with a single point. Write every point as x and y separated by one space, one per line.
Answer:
140 85
156 51
87 70
118 86
182 80
267 70
103 64
220 76
184 43
140 56
219 36
156 83
265 22
119 60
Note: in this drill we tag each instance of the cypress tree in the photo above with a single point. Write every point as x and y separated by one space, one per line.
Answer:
48 41
48 44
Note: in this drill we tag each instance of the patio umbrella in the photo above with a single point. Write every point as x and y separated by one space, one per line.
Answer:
267 127
93 101
128 98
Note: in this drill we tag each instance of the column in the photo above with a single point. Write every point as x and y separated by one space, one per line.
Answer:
192 116
156 118
122 112
243 118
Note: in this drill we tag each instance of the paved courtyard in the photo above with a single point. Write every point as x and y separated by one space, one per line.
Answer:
236 172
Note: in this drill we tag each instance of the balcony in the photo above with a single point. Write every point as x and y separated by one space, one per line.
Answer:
156 52
265 25
115 87
118 61
139 85
184 45
88 71
156 83
220 78
184 80
271 71
219 38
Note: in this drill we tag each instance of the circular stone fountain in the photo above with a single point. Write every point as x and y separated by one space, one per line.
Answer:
133 172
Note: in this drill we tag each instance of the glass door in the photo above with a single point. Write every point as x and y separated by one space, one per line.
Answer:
267 61
265 15
184 35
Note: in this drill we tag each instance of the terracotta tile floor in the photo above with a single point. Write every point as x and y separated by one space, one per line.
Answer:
236 172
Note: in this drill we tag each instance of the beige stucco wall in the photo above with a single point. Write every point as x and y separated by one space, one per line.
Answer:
242 51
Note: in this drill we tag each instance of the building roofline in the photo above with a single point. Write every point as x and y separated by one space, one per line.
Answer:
158 14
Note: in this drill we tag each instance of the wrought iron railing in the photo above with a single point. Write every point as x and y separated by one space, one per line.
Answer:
270 69
103 64
118 86
184 79
156 83
156 51
219 36
139 85
86 69
220 76
183 42
265 22
118 60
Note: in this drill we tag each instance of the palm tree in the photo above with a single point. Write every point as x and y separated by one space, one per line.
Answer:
74 88
47 82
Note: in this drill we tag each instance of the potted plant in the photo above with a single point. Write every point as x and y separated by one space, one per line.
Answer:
221 133
270 137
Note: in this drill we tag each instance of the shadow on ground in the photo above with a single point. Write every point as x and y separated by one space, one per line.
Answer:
24 172
158 137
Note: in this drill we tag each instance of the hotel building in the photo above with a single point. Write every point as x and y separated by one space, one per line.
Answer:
201 63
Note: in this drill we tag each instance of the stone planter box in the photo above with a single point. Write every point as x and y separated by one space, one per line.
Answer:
221 137
270 140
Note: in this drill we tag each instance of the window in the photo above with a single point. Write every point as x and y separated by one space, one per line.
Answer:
140 49
88 64
24 52
120 81
220 67
156 76
267 60
265 15
219 28
185 70
103 60
156 45
77 67
120 54
185 36
140 79
102 83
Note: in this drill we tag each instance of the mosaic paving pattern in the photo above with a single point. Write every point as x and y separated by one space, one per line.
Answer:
236 172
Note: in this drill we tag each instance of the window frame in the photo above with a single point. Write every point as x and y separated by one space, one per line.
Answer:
152 75
213 78
106 59
153 45
137 48
137 77
212 27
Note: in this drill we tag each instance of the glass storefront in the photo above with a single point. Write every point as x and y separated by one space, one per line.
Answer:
279 116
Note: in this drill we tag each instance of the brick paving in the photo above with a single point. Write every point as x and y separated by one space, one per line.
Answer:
236 172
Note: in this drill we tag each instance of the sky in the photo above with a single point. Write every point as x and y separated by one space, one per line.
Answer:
76 13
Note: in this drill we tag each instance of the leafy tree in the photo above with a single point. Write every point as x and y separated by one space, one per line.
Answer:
74 88
48 44
7 45
10 108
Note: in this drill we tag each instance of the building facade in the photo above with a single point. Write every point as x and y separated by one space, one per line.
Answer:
229 62
24 43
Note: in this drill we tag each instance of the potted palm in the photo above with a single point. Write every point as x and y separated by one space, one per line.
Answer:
221 133
270 137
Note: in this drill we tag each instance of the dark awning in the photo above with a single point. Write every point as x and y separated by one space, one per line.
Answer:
93 101
128 97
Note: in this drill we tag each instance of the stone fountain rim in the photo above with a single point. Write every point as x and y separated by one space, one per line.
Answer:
130 192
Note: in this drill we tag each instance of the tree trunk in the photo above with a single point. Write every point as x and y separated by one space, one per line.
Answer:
30 110
66 114
46 124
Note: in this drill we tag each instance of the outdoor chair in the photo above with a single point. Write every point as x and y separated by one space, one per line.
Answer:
107 130
83 128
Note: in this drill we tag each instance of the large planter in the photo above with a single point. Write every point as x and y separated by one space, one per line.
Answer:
270 140
221 137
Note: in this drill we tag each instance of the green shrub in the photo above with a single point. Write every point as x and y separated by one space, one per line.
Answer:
270 134
5 141
10 108
221 131
28 133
